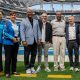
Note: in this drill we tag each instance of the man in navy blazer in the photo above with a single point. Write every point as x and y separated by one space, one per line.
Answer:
30 35
72 40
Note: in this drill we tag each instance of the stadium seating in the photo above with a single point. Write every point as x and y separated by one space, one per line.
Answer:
19 6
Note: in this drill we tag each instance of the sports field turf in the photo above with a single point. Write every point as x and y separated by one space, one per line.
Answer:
71 75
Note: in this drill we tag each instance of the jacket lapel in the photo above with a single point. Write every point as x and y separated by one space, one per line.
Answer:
67 33
33 24
28 22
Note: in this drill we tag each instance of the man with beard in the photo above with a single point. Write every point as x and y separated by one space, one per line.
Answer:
59 41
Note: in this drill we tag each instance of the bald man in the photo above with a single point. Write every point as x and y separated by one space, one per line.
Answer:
72 39
30 36
46 30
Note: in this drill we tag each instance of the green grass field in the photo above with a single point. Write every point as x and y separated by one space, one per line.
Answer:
43 75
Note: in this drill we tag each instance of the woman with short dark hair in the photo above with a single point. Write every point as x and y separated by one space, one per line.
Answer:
11 44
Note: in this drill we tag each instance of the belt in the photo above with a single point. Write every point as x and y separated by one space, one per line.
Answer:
59 35
15 36
73 40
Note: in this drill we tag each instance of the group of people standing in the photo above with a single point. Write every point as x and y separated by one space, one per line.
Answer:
37 35
61 34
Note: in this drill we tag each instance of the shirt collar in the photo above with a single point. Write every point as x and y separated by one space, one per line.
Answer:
44 22
1 20
72 25
58 21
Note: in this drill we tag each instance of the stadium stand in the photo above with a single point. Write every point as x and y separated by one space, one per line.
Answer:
20 6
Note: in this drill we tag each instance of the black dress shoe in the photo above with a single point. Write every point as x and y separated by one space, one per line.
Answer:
7 75
15 73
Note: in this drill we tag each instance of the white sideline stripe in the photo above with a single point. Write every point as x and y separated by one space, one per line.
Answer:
50 58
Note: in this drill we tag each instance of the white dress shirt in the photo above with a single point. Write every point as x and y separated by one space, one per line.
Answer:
72 32
43 32
15 28
58 27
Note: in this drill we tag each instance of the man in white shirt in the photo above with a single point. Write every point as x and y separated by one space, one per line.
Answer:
72 39
59 42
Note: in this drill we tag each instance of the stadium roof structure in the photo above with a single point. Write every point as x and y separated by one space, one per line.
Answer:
31 3
20 6
35 2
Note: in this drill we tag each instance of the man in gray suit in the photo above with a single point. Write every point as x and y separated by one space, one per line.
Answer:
30 36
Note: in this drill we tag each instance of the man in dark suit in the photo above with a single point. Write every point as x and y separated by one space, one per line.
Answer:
46 30
72 39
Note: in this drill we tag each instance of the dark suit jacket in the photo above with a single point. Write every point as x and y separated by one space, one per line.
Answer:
48 31
77 33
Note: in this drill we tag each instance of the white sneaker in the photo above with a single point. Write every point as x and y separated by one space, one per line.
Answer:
33 70
62 69
76 69
47 69
55 69
28 71
38 69
71 68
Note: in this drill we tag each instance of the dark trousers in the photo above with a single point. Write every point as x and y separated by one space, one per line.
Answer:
72 45
30 61
11 52
1 67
